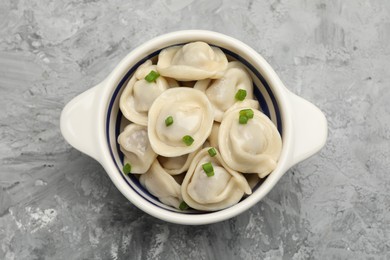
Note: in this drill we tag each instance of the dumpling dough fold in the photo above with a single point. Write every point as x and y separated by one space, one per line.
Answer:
192 115
139 94
221 92
253 147
176 165
162 185
213 138
134 144
220 191
193 61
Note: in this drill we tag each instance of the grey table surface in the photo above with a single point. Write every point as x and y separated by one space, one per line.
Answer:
56 203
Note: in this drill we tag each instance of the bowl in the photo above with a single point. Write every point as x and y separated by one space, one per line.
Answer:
92 121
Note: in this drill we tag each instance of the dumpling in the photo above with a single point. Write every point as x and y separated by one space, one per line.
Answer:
139 94
191 118
224 189
193 61
253 147
176 165
162 185
221 92
135 145
247 103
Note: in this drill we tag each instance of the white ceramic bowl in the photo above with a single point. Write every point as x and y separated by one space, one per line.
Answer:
92 121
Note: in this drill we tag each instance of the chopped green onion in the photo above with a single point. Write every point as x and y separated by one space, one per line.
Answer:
152 76
241 94
188 140
208 169
243 120
169 121
247 112
183 205
127 168
212 152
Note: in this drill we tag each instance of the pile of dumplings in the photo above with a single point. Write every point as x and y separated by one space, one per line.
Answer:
196 137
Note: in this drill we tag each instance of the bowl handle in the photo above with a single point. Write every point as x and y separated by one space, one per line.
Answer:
79 122
310 129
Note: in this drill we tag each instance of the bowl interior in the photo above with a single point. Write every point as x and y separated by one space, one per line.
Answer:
115 122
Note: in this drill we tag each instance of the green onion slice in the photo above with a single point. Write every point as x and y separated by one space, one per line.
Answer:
242 120
127 168
208 169
152 76
183 205
241 94
188 140
247 112
212 152
169 121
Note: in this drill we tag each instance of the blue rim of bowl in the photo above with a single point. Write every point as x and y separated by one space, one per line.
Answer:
263 105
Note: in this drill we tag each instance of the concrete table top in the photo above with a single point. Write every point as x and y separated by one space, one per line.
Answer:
56 203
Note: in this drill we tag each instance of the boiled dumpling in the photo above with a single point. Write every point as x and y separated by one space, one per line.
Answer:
135 145
162 185
176 165
192 117
253 147
213 138
224 189
139 94
193 61
247 103
221 92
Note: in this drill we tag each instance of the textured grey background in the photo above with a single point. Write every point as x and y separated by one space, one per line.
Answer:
56 203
